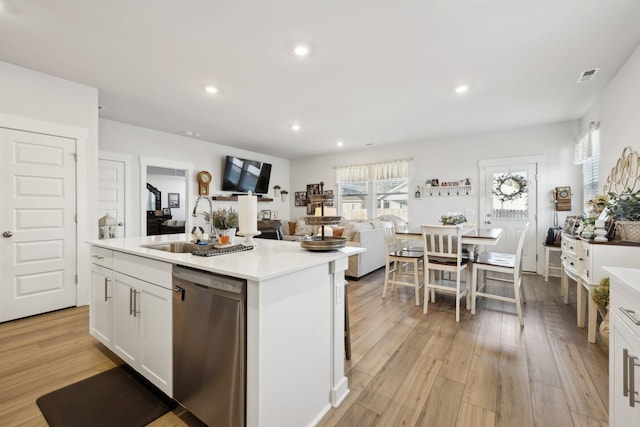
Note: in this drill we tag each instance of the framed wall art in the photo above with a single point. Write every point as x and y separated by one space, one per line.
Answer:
312 189
301 198
330 193
174 200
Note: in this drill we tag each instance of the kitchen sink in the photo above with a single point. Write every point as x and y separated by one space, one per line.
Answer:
178 247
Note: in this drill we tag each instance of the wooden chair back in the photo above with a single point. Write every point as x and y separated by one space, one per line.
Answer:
442 241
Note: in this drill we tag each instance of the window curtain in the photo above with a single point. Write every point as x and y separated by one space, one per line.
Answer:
373 171
587 143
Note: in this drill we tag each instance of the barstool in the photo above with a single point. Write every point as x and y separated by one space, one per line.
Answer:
347 327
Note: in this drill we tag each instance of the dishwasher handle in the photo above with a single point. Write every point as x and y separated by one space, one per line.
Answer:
209 280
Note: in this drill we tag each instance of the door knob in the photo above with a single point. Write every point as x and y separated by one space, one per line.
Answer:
120 224
7 234
487 222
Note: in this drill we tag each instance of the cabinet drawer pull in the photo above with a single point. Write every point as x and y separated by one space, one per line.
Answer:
625 372
106 296
630 314
135 303
130 301
632 381
98 257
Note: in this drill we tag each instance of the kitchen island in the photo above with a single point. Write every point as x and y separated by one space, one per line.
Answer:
294 319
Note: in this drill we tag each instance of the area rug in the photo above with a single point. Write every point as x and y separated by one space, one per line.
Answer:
117 397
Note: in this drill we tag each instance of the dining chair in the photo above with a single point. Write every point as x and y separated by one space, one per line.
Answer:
498 262
402 267
443 253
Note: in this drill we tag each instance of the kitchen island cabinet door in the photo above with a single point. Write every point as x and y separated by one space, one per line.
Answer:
101 318
125 324
142 329
623 346
156 337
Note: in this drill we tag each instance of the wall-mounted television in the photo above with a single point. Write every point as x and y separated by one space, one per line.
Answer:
242 176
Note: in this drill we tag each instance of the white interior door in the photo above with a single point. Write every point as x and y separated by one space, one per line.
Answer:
508 201
37 220
111 192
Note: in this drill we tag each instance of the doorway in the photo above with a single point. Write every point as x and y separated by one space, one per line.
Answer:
508 200
114 192
165 196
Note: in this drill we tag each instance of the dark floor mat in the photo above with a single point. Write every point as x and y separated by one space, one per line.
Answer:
117 397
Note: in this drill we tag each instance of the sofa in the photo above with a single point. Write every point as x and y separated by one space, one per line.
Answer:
371 260
367 234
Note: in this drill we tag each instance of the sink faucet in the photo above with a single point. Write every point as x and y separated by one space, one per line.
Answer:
195 213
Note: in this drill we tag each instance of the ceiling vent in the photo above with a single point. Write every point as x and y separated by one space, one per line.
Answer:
587 75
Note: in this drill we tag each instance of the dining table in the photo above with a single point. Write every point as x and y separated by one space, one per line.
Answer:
471 237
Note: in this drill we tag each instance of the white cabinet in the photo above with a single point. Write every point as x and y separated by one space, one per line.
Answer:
583 261
624 347
131 312
142 328
101 313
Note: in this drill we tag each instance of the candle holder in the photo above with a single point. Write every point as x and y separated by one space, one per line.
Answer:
248 238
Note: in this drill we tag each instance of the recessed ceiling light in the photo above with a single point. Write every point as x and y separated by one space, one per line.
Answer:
211 89
462 89
296 127
301 50
191 133
340 143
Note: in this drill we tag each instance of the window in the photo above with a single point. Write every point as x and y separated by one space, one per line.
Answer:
369 191
392 197
354 198
588 154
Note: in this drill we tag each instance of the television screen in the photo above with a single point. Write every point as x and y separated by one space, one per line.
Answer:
242 176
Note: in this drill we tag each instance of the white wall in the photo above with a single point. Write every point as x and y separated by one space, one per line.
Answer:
618 110
457 157
33 95
137 141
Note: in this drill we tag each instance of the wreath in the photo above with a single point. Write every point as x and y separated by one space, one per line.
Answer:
509 187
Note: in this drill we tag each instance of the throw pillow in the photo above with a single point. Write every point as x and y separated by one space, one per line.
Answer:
292 228
302 229
337 231
376 223
354 227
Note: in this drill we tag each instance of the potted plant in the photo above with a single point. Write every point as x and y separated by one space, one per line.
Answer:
624 209
225 221
600 296
453 219
276 190
283 194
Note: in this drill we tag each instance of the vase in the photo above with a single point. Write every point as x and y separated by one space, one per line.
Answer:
226 236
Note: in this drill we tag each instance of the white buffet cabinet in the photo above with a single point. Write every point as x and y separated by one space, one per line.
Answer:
624 347
295 319
583 261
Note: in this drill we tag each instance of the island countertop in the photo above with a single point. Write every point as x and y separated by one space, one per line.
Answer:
269 259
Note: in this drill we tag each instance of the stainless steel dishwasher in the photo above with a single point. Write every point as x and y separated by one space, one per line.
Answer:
209 346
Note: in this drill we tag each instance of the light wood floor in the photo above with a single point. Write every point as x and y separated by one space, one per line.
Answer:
406 369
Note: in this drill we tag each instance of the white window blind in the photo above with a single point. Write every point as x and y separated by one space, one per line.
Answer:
373 171
588 152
